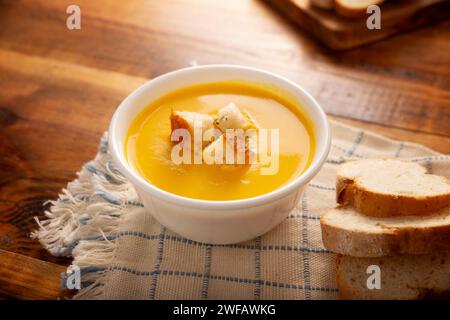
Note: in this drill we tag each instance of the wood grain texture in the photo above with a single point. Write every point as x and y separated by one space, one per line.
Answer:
23 277
163 39
59 88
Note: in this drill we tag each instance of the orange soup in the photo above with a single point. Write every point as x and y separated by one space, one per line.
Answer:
148 145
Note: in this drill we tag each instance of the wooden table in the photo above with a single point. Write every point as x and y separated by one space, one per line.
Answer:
59 88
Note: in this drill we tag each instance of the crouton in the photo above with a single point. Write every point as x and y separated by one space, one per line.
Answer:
243 150
231 117
186 120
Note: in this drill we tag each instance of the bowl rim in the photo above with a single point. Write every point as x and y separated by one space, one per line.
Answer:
282 191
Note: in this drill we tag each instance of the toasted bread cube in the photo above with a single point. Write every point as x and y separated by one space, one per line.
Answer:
244 151
187 120
231 117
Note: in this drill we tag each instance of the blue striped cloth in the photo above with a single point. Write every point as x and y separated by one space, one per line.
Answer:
122 252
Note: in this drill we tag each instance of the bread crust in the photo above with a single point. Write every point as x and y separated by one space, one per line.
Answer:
352 192
354 11
178 122
392 241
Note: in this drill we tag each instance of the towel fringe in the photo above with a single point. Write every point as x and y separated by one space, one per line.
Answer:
84 221
97 256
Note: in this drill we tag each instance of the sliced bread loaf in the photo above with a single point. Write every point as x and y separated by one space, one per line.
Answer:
346 231
402 276
354 8
391 187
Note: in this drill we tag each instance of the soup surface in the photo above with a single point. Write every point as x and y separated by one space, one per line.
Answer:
148 146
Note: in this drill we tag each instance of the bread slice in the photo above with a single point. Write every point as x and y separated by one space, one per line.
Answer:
349 232
391 187
402 277
354 8
323 4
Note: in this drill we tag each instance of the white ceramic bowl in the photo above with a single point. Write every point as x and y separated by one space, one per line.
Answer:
216 222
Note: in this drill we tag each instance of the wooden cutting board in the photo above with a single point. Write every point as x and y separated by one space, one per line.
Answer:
341 33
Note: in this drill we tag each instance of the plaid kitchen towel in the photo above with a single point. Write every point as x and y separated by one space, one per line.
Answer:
124 253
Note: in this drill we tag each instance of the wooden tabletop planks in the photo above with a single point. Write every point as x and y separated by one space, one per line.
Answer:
59 88
23 277
399 92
